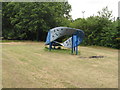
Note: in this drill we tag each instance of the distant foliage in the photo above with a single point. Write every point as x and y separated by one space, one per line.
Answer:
31 21
100 30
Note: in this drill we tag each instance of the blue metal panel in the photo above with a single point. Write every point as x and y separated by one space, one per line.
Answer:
76 44
72 42
48 38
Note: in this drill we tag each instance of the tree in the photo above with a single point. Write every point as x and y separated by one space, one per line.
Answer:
99 30
105 13
32 21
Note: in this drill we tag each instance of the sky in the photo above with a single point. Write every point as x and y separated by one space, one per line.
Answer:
92 7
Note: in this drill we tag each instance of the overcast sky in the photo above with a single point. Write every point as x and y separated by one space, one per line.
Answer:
92 7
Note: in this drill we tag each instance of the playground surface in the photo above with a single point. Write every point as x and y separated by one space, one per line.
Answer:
28 64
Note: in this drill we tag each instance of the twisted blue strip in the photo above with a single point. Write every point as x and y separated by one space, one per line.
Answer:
75 40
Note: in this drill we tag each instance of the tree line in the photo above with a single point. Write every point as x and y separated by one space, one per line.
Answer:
32 21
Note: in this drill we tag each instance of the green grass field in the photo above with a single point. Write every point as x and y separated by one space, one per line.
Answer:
28 64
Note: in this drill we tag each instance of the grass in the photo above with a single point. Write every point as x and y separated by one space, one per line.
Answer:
62 50
15 41
29 64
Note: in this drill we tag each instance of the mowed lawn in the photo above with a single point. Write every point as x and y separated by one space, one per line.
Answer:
28 64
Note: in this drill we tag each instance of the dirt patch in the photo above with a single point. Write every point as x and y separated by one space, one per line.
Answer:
93 57
96 57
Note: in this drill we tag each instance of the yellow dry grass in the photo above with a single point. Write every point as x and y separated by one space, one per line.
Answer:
27 64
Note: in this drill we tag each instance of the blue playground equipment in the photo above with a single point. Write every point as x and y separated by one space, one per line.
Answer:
76 38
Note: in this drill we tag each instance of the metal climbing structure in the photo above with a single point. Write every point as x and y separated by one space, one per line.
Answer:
76 38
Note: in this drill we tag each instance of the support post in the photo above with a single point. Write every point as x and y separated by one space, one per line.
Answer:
72 46
76 45
50 46
50 43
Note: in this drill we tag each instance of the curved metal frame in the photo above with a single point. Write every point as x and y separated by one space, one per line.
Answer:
72 42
